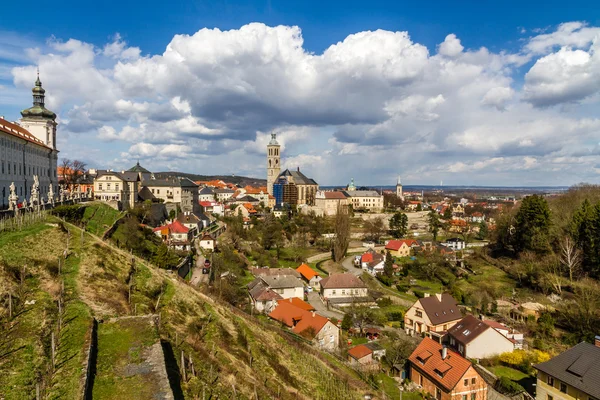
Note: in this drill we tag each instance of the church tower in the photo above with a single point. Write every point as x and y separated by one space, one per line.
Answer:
399 193
273 162
38 120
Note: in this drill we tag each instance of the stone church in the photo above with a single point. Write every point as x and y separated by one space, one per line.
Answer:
288 187
28 148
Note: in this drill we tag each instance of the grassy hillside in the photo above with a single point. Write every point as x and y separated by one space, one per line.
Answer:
233 355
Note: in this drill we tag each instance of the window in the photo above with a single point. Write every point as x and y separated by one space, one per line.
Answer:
550 380
343 291
466 382
99 186
331 339
563 387
333 291
550 397
108 186
116 186
438 393
465 397
472 381
473 396
418 313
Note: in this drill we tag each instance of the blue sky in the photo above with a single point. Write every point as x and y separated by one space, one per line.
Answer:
467 93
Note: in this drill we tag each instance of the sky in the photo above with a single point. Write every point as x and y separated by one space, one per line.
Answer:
468 93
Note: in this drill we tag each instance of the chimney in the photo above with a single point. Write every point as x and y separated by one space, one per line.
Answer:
444 352
313 314
298 169
439 297
597 341
482 317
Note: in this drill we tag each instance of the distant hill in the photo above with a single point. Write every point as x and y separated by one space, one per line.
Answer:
238 180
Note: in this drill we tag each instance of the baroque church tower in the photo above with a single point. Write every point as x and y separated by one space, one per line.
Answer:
273 162
399 193
38 120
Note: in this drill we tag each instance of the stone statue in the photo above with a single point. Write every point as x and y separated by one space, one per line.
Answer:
35 192
50 195
12 198
62 193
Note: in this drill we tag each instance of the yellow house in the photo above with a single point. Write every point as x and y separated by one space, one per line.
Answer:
432 316
400 248
572 375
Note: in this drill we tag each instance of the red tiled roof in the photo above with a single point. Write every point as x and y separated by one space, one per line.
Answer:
301 320
307 272
337 195
495 324
178 227
367 257
205 203
287 313
299 303
452 368
396 244
20 132
360 351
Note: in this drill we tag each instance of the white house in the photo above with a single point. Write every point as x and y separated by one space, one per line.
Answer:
455 244
473 338
285 286
343 290
207 243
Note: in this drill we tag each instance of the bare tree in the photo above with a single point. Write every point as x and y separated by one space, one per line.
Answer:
570 256
72 171
342 233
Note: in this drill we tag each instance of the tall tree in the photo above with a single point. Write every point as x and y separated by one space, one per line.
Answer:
434 224
375 228
585 230
388 265
532 225
448 213
570 257
71 172
399 224
342 233
483 231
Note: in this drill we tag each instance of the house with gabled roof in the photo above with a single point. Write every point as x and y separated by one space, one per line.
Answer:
342 290
308 324
432 316
262 298
360 355
309 275
175 235
401 247
372 262
298 302
473 338
571 375
445 374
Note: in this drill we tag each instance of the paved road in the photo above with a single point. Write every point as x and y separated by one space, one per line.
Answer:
315 300
197 276
348 264
325 256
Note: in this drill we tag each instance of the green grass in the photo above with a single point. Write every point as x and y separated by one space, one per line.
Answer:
99 217
39 246
510 373
121 344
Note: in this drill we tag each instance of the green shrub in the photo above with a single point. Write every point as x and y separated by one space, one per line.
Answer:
395 316
387 281
73 213
508 387
384 302
403 287
419 294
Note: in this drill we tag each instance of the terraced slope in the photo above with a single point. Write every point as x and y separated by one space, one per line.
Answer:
227 354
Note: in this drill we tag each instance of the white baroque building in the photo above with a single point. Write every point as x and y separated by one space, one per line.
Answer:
28 148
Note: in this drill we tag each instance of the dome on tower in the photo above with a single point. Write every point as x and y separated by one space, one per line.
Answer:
38 111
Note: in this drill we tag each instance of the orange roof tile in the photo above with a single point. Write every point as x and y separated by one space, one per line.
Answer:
299 303
427 358
360 351
301 320
307 272
397 244
20 132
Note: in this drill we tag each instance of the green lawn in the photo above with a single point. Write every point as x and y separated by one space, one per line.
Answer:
510 373
122 371
99 217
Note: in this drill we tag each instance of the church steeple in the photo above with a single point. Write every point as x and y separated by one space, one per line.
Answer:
273 162
39 110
